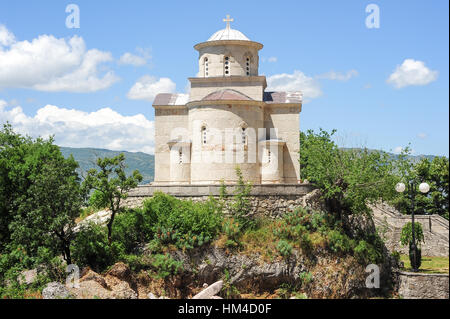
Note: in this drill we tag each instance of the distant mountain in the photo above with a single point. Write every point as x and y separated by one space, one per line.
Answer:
143 162
412 158
86 157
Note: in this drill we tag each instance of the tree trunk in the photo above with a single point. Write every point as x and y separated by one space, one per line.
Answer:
67 253
109 225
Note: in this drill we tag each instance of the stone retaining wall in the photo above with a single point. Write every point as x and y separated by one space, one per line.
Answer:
422 286
269 200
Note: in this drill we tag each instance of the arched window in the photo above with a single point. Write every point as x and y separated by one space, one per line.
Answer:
227 66
244 136
180 157
248 60
204 135
206 67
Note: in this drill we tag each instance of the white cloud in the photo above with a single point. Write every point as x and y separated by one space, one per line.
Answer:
6 37
271 59
50 64
296 81
411 72
132 59
135 60
398 150
147 87
104 128
422 135
336 76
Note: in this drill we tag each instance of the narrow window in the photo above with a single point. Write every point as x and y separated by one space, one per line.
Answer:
206 64
269 156
248 66
226 65
244 136
180 157
203 135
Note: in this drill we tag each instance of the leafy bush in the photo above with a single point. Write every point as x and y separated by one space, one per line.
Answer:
137 262
366 253
306 243
166 266
231 228
338 242
91 248
306 277
183 223
284 248
133 227
240 206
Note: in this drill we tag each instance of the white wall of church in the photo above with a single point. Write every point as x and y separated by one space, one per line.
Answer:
286 120
217 119
167 120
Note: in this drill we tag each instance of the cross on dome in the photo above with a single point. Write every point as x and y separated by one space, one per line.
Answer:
228 20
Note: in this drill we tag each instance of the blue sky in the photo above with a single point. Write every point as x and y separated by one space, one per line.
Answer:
321 47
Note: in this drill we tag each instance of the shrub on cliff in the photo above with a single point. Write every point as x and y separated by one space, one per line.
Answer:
183 223
132 228
91 248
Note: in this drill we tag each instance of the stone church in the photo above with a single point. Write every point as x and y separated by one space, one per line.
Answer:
228 120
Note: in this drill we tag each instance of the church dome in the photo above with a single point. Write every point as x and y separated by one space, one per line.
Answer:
228 34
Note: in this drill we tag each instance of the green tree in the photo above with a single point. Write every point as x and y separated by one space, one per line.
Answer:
407 239
111 185
348 178
40 195
46 215
436 174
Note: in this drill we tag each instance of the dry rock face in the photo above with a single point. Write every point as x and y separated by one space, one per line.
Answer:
55 290
99 218
332 277
117 283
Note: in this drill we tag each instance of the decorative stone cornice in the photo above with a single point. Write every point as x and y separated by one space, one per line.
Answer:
246 43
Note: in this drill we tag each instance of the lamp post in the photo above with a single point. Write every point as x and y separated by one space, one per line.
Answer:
423 188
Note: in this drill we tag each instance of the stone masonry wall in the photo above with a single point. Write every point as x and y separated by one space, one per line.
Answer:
266 200
422 286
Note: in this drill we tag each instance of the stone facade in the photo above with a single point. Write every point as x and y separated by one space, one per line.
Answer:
389 222
422 286
227 120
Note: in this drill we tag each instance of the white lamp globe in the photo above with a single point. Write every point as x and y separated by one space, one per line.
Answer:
400 187
424 188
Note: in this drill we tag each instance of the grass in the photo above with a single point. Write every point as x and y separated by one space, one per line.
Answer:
430 265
